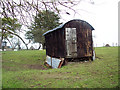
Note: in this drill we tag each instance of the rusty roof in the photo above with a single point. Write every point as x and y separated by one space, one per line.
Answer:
62 25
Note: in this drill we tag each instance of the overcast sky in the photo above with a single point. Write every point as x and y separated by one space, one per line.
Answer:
102 15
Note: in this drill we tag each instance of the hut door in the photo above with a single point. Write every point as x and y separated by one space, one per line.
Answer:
71 46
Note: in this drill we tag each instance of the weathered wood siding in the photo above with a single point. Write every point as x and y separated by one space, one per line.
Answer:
84 38
55 44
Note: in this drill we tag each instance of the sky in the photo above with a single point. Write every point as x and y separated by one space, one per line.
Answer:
101 14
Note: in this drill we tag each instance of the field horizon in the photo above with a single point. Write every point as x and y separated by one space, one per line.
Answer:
26 69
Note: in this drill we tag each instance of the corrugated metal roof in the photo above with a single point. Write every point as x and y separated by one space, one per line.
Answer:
62 25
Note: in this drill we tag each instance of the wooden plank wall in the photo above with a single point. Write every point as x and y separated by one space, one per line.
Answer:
55 45
84 38
55 41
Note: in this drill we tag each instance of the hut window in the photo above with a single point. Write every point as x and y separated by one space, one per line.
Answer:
70 33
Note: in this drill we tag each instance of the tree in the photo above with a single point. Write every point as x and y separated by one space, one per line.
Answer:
10 27
43 22
23 10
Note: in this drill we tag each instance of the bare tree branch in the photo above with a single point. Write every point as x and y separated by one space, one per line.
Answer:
24 10
15 35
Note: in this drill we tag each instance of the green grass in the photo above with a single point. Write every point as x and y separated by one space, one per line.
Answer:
25 69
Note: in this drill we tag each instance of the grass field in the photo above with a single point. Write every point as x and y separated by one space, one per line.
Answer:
25 69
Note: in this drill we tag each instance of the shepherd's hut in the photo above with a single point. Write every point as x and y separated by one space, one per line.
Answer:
69 42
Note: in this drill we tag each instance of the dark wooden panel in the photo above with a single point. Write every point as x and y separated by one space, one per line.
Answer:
55 45
84 38
84 45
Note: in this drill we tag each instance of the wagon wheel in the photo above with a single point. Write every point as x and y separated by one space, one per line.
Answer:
94 54
65 62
